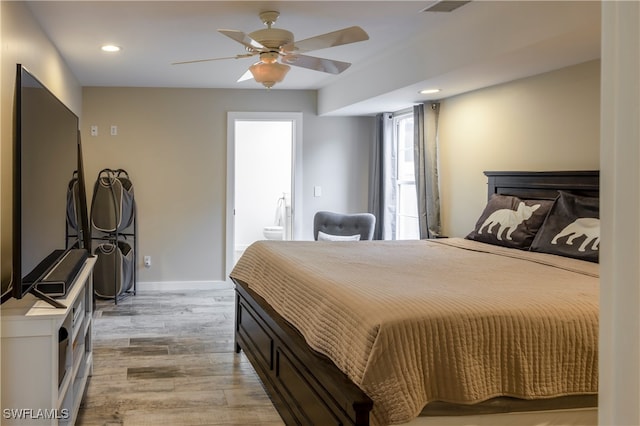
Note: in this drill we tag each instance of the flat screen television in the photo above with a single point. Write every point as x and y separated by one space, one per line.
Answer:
48 187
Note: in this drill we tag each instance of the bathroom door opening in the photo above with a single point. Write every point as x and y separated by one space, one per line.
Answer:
262 179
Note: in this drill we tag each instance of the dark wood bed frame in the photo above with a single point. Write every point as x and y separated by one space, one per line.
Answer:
543 185
305 386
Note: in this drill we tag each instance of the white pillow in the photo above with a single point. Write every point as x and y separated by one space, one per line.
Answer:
328 237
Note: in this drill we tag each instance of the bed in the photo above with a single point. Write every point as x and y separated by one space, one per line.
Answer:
332 351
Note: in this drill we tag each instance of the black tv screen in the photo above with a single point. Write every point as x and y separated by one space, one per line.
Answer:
46 159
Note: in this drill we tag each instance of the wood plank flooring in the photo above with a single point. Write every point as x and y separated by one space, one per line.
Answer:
167 358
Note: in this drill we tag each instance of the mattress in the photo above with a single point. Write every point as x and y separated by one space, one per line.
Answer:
450 320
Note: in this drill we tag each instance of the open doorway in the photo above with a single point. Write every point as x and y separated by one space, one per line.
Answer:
263 179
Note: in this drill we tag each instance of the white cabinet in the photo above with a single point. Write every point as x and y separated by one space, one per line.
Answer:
43 380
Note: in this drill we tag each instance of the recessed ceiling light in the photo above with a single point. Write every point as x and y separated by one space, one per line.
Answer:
110 48
429 91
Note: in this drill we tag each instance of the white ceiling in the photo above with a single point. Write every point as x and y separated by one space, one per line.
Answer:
479 44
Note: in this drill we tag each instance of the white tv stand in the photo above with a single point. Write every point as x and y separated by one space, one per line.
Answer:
39 386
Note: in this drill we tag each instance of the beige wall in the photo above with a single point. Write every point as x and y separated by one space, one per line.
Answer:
173 144
545 122
24 42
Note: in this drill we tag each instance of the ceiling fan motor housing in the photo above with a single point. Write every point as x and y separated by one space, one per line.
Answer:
273 38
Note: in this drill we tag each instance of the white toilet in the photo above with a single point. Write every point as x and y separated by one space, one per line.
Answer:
273 232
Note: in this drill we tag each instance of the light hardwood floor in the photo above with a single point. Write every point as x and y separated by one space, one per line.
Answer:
167 358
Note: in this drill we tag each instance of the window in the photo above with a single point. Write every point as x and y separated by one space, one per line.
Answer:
406 222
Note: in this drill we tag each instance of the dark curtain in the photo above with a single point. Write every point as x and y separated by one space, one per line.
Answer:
382 202
425 121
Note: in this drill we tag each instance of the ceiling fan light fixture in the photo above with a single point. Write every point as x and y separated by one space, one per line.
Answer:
269 57
268 74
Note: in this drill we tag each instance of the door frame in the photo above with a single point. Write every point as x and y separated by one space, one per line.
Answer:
296 175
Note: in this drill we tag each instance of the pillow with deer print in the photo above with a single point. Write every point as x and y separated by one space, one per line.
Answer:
572 228
510 221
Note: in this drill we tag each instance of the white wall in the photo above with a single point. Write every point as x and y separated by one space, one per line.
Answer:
173 144
619 353
545 122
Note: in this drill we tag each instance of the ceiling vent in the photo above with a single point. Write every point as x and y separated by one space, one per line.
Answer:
446 6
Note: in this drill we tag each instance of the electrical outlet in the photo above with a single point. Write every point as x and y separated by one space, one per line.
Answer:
114 130
94 130
147 261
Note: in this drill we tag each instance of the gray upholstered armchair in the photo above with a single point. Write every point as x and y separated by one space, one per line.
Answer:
345 225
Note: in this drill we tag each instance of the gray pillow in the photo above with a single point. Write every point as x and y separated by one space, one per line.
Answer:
572 228
510 221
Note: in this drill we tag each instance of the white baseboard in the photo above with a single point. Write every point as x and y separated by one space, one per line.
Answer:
183 285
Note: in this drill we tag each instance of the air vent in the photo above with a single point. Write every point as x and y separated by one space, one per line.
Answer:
446 6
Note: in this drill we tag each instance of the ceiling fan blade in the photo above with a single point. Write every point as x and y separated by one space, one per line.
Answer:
245 55
246 76
243 39
318 64
335 38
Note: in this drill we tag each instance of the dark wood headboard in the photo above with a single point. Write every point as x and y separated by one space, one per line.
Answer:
543 185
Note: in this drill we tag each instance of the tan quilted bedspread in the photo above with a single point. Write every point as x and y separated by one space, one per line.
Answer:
451 320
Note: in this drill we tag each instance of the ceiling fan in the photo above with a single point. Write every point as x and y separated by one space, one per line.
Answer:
272 44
